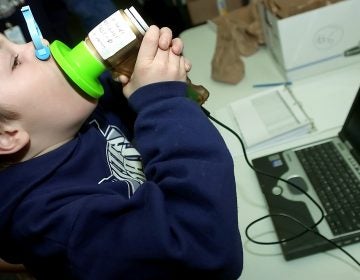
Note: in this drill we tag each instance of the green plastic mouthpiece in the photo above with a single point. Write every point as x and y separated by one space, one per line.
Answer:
80 65
113 42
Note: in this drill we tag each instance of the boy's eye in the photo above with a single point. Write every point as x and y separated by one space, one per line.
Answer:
16 62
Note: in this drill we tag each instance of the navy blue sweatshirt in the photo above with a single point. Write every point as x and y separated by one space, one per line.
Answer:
95 209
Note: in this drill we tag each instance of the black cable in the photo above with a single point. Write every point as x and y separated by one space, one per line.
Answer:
307 228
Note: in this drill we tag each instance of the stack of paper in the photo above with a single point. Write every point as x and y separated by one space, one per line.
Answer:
269 118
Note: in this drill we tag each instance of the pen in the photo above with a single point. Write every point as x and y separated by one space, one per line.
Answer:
352 51
273 84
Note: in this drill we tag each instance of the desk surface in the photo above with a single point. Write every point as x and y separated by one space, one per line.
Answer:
326 98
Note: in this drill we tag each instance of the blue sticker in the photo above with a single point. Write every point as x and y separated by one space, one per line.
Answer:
275 160
277 163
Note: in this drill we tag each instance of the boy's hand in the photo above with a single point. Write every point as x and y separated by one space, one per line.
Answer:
159 60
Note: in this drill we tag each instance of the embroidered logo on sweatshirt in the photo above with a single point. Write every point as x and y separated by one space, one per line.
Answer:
123 159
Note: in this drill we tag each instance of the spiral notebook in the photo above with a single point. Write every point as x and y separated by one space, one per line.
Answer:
269 118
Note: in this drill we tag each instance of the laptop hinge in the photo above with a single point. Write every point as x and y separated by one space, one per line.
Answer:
353 151
348 145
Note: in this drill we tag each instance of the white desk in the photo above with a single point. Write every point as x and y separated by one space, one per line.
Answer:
326 99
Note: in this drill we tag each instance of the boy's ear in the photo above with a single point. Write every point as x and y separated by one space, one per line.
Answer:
12 139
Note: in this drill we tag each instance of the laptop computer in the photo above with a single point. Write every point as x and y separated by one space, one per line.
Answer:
329 171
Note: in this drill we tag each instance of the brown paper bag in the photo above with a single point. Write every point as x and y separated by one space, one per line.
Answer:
227 65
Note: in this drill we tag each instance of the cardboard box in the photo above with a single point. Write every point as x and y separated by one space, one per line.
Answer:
313 42
202 10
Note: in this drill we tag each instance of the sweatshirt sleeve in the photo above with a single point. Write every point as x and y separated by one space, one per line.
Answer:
182 221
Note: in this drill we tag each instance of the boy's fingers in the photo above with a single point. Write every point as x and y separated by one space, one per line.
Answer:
177 46
162 57
120 78
187 64
150 43
174 59
165 38
183 65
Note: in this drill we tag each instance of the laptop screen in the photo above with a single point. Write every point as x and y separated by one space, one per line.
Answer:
351 129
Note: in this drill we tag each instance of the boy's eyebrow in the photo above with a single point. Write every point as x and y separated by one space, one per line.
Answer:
1 40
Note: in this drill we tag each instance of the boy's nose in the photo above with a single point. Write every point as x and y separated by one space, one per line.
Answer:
41 53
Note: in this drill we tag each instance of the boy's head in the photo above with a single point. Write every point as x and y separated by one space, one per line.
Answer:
39 109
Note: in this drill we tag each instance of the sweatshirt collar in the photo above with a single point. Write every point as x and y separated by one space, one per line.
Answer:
19 180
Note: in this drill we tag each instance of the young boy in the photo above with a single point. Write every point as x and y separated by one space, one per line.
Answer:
87 194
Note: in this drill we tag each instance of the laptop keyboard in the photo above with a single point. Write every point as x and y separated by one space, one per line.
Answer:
336 185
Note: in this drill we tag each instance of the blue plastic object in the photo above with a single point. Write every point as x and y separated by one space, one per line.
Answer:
42 51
